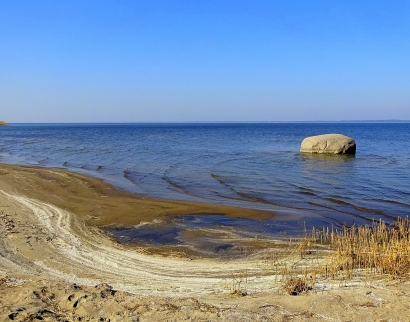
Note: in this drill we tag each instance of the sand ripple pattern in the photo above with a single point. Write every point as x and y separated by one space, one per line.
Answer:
85 255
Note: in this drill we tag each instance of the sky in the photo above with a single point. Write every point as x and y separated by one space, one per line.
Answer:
204 60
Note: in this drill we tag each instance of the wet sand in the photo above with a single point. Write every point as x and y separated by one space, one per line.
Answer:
100 204
57 265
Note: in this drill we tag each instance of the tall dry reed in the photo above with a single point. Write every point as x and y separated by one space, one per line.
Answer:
379 249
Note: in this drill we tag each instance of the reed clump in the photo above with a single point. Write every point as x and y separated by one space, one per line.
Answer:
379 248
297 285
356 254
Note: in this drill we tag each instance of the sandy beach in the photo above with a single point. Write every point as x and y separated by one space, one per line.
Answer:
56 264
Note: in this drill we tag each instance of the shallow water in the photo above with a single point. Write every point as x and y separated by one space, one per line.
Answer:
206 234
248 165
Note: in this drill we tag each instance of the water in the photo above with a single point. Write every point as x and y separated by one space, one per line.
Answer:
246 165
207 234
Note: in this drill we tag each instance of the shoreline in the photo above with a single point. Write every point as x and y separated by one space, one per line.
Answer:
325 192
91 197
104 206
56 263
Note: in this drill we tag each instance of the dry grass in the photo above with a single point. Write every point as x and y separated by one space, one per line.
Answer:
297 285
363 253
378 249
237 284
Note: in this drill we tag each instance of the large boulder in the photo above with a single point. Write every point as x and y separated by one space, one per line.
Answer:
328 143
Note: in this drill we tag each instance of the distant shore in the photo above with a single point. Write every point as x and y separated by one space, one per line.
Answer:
2 123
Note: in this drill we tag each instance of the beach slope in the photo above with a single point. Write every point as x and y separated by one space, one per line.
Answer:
56 264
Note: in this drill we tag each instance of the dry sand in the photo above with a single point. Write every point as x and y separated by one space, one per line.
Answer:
57 265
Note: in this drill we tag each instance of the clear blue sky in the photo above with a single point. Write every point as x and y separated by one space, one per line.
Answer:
210 60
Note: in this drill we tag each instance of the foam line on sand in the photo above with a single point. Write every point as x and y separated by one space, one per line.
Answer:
80 251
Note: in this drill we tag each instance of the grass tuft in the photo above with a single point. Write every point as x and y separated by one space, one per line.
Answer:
296 286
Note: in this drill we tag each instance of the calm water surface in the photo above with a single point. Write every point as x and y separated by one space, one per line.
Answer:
247 165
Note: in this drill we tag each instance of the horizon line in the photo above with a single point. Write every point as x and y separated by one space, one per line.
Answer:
221 122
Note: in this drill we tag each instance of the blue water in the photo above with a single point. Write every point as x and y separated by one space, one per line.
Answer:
247 165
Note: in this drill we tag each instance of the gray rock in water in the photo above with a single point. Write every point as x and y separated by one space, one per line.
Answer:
328 143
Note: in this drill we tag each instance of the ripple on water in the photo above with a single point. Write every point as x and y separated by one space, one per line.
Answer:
246 165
